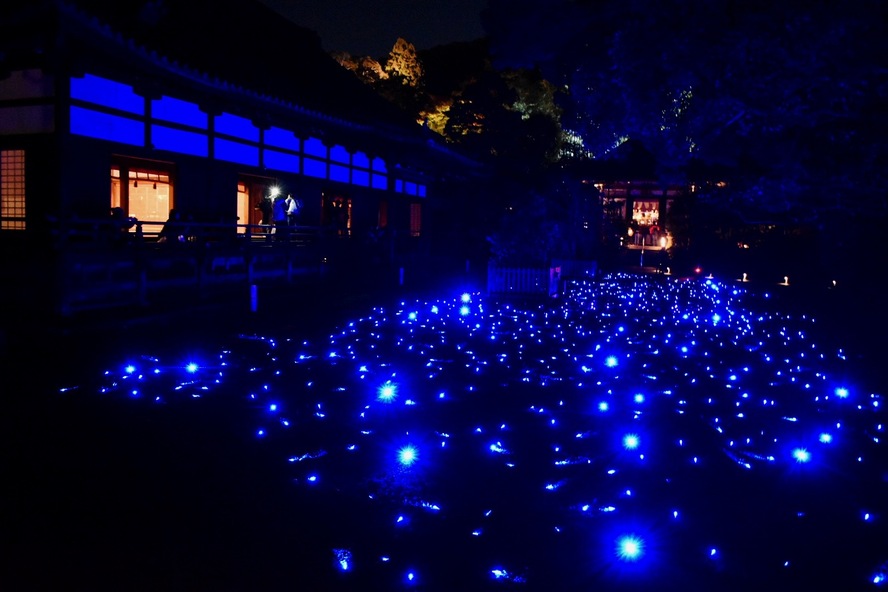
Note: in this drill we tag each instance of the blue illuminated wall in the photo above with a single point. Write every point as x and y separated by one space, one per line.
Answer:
105 109
177 140
237 127
178 111
410 188
104 126
107 93
282 161
236 152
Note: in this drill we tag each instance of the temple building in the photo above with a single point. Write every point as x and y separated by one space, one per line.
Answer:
637 208
207 108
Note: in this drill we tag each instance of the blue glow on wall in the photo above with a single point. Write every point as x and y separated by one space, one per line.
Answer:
380 182
86 122
236 152
379 165
282 138
239 127
175 140
314 168
281 161
421 190
179 111
109 93
361 178
340 154
315 147
361 160
399 185
339 173
410 188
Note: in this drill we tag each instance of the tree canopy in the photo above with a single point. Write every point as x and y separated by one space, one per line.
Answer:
790 99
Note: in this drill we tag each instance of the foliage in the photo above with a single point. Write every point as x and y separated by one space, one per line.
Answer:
507 117
529 233
789 100
782 104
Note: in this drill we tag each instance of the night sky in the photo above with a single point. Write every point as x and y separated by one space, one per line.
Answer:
371 28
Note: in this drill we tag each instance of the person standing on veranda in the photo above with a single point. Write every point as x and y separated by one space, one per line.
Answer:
281 223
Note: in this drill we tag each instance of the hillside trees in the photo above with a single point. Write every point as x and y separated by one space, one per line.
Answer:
790 99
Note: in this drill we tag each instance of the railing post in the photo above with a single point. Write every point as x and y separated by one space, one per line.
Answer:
249 261
288 255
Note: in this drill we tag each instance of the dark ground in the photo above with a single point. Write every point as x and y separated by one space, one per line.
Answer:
103 495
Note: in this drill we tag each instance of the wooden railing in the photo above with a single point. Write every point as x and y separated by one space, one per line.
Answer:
146 232
103 263
505 280
518 281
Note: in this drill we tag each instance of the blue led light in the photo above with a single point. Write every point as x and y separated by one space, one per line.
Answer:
466 298
630 548
192 367
631 441
520 395
408 455
343 559
387 392
801 455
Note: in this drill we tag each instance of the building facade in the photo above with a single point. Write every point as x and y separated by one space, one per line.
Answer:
107 107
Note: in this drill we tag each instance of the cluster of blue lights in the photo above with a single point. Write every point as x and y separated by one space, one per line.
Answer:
635 424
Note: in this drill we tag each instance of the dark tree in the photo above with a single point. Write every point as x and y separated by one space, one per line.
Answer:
790 99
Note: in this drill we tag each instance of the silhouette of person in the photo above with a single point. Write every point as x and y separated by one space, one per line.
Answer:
172 231
279 215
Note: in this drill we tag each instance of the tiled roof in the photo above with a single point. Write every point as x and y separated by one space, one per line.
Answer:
244 44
